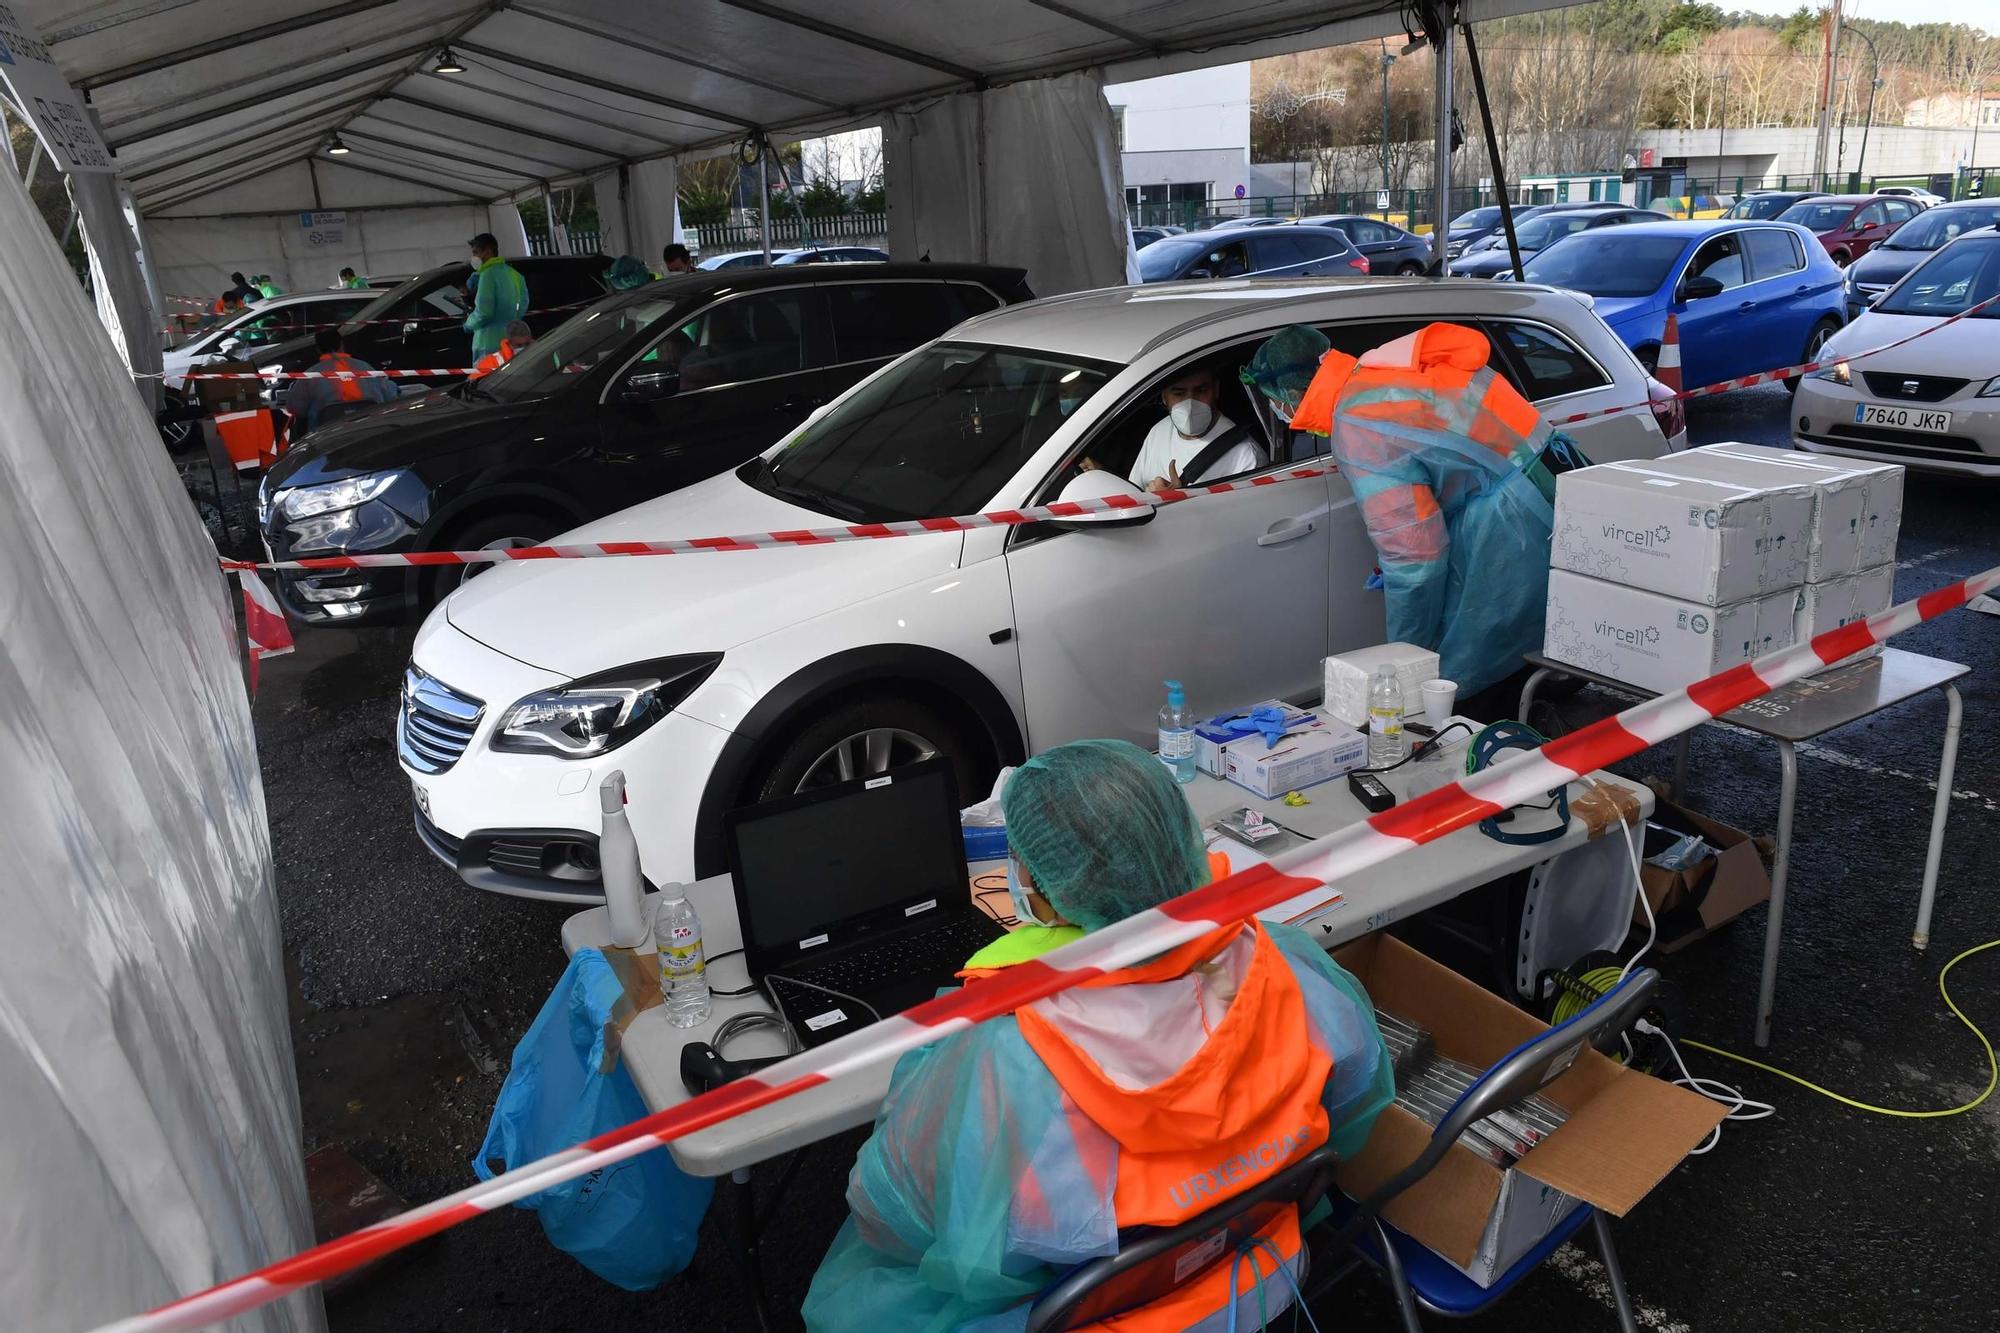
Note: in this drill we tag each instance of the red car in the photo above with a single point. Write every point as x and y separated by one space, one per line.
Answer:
1849 225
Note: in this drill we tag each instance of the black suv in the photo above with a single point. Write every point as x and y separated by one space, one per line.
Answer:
642 393
420 324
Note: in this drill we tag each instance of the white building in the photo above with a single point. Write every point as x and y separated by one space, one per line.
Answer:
1953 109
1184 138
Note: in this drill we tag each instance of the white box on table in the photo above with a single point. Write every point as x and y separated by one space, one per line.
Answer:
1831 603
1654 641
1345 677
1210 741
1647 525
1303 760
1857 505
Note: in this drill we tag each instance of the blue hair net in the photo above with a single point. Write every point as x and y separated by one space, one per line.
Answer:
626 273
1103 829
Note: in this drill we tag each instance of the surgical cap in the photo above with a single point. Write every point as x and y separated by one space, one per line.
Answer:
1285 364
626 273
1103 830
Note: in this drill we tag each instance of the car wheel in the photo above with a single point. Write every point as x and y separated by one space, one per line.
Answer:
1409 270
1649 357
1841 259
867 737
1821 335
180 426
497 532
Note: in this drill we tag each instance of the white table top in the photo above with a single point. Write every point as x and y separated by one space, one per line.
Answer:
1412 883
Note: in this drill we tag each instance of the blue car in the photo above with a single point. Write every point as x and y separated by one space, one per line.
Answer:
1750 296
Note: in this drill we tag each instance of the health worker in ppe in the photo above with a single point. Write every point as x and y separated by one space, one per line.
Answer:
1008 1153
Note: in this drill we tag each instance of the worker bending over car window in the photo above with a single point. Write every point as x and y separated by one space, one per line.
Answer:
1006 1154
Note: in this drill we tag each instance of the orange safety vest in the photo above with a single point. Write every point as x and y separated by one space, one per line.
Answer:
347 391
493 360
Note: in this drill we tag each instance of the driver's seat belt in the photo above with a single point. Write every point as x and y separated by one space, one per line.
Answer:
1212 452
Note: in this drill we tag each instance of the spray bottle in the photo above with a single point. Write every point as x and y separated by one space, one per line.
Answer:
618 855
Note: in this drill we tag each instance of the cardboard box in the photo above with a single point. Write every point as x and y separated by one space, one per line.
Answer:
1304 760
1210 738
1840 601
1702 539
1657 642
1689 903
218 396
1857 506
1345 677
1625 1130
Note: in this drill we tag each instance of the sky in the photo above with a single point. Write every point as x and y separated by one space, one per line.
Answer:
1980 14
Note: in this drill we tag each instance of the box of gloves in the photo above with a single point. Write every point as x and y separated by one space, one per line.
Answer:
1258 723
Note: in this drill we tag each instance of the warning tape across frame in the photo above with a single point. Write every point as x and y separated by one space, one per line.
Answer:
1520 778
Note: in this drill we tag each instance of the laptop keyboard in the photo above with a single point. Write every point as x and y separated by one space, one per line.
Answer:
937 953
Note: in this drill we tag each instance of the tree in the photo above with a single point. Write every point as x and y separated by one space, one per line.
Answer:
707 190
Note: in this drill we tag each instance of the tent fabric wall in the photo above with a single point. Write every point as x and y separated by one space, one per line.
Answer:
153 1127
1027 174
195 256
124 306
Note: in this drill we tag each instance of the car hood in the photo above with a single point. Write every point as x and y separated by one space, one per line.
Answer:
397 434
1886 264
576 617
1963 349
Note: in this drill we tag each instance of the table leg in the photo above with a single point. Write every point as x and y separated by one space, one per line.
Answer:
1774 924
1953 717
746 1242
1535 680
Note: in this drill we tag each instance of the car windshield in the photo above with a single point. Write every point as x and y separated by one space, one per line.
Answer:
938 433
576 347
420 297
1817 217
1475 218
1759 206
1548 228
1950 282
1614 261
1164 257
1934 228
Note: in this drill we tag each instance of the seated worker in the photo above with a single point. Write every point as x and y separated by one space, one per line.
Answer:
308 400
1194 442
517 337
1010 1152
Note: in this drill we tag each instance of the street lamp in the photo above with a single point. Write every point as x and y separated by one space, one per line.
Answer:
1874 82
1387 60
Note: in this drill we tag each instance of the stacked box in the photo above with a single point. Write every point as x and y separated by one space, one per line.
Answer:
1346 677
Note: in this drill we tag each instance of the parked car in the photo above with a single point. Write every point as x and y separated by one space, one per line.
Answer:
1496 234
1538 233
1934 403
1764 205
833 254
420 325
1145 236
750 675
1748 296
1469 226
280 319
1916 192
1880 269
1848 225
646 391
1388 247
1225 223
741 259
1297 252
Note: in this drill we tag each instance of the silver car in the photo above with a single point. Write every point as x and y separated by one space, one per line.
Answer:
1933 402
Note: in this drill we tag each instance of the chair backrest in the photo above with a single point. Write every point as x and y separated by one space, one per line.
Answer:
1517 1075
1153 1261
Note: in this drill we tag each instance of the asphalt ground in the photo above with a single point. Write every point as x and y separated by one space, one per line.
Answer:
411 989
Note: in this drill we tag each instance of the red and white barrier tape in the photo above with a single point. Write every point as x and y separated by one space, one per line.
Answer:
325 374
1513 781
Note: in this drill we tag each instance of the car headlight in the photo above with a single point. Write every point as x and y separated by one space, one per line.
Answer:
305 501
1837 372
601 712
1991 389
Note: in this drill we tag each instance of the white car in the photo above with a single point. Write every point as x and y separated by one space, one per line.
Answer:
743 258
1932 403
273 320
1921 195
717 680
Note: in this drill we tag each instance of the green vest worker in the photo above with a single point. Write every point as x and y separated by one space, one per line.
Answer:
352 281
500 298
267 287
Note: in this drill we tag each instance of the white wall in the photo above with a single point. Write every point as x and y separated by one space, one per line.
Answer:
194 256
1185 128
1893 150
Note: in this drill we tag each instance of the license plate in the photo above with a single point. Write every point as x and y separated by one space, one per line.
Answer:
1902 418
423 799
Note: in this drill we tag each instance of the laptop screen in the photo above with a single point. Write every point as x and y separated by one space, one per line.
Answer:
826 866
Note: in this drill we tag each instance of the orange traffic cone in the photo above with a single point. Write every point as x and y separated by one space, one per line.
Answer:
1668 371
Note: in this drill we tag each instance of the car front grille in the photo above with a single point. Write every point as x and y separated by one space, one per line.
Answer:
1916 444
1911 388
435 722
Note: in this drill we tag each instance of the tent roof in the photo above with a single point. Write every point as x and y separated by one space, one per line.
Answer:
197 96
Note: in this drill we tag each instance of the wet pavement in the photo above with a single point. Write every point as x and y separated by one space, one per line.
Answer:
410 990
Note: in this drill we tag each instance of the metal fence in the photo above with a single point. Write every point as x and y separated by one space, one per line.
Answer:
1405 208
789 231
580 242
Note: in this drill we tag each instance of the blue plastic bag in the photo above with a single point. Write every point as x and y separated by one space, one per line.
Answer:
632 1224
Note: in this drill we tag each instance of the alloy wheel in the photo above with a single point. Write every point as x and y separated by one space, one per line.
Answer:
865 754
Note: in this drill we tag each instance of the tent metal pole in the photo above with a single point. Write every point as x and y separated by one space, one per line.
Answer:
515 99
556 246
878 45
577 23
263 132
474 145
69 226
1446 12
495 178
513 128
605 85
411 180
160 131
34 165
1493 155
764 196
233 42
262 152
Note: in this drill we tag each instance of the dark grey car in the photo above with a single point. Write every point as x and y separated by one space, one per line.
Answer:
1239 252
1389 248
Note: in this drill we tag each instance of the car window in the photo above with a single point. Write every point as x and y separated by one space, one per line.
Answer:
1875 215
1601 264
1720 258
1550 365
1228 260
1901 210
554 286
1281 255
1953 280
1940 225
749 337
594 338
1165 258
1815 216
872 320
969 299
1773 253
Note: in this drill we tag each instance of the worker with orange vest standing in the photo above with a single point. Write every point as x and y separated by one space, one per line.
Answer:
519 335
1010 1152
307 399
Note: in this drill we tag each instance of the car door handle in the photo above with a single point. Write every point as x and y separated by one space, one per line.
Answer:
798 402
1286 530
1746 305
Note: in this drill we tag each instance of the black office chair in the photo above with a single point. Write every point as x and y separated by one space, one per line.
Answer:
1418 1276
1149 1259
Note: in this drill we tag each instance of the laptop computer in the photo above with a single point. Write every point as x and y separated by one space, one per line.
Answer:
853 898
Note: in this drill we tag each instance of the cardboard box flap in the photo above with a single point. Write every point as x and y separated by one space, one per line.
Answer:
1623 1141
1448 1208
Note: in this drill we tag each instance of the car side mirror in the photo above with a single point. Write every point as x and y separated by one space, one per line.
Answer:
1098 485
651 386
1701 288
1200 273
1870 298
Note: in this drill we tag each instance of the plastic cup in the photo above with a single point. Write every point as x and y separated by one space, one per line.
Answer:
1439 697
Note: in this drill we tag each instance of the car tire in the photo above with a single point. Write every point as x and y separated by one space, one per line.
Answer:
1409 270
1841 259
1649 359
1822 332
876 733
489 532
180 425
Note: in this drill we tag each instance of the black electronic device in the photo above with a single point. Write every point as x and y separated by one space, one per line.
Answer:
1371 791
704 1070
854 899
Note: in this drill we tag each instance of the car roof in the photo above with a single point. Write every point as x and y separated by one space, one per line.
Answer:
1848 198
703 282
1667 226
1962 203
1118 324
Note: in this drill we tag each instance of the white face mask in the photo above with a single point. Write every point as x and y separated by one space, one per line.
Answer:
1024 910
1192 417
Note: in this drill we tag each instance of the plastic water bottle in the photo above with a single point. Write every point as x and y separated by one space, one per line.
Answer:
1385 718
683 969
1177 734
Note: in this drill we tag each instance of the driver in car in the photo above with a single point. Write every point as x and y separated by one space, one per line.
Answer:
1194 441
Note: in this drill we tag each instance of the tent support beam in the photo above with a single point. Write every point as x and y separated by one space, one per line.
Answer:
1498 167
264 132
506 178
515 99
233 42
175 198
408 180
475 145
605 85
215 113
839 34
1439 20
444 110
261 150
1140 40
576 23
